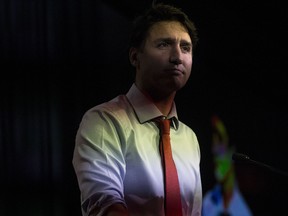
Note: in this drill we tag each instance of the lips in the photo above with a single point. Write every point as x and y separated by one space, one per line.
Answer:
174 71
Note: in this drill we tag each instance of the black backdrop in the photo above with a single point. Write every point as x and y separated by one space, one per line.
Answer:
58 58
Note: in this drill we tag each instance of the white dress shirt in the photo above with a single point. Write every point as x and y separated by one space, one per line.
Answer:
116 158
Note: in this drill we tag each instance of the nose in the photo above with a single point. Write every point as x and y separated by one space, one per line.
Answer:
176 55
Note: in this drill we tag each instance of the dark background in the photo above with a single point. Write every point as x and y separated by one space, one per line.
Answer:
59 58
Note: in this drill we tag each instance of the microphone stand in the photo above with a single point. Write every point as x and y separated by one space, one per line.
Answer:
238 157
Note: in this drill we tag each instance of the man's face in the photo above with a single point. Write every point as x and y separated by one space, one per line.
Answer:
164 62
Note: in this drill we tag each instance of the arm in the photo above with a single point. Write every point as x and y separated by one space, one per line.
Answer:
99 163
116 210
198 192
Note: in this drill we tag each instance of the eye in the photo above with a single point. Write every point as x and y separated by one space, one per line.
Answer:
186 48
162 44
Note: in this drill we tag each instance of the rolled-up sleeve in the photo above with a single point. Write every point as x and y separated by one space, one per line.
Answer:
99 162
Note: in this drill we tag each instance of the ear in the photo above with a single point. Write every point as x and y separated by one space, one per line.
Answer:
133 53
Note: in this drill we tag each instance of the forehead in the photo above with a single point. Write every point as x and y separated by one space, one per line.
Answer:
168 29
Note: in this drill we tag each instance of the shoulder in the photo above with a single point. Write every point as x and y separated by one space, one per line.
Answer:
113 108
114 112
187 129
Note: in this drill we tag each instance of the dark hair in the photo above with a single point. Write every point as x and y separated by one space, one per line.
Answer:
157 13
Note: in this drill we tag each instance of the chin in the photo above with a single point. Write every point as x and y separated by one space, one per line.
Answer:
178 86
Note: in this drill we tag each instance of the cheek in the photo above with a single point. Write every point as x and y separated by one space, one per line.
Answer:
152 61
159 57
188 61
188 69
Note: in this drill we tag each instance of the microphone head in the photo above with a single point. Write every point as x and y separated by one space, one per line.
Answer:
240 157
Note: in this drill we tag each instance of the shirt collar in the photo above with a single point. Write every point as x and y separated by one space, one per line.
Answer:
146 110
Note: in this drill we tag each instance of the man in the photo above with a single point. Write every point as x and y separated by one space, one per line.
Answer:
116 158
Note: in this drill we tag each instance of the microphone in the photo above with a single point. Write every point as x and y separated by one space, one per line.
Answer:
238 157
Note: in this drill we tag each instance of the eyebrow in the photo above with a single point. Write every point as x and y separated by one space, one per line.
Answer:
170 40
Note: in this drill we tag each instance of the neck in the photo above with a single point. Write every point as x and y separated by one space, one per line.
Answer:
164 106
163 102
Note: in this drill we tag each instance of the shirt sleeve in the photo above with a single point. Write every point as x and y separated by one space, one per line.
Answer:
197 203
98 161
198 197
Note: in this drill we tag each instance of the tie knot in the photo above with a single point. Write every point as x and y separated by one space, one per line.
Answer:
164 125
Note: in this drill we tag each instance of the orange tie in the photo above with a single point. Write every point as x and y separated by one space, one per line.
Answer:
172 204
